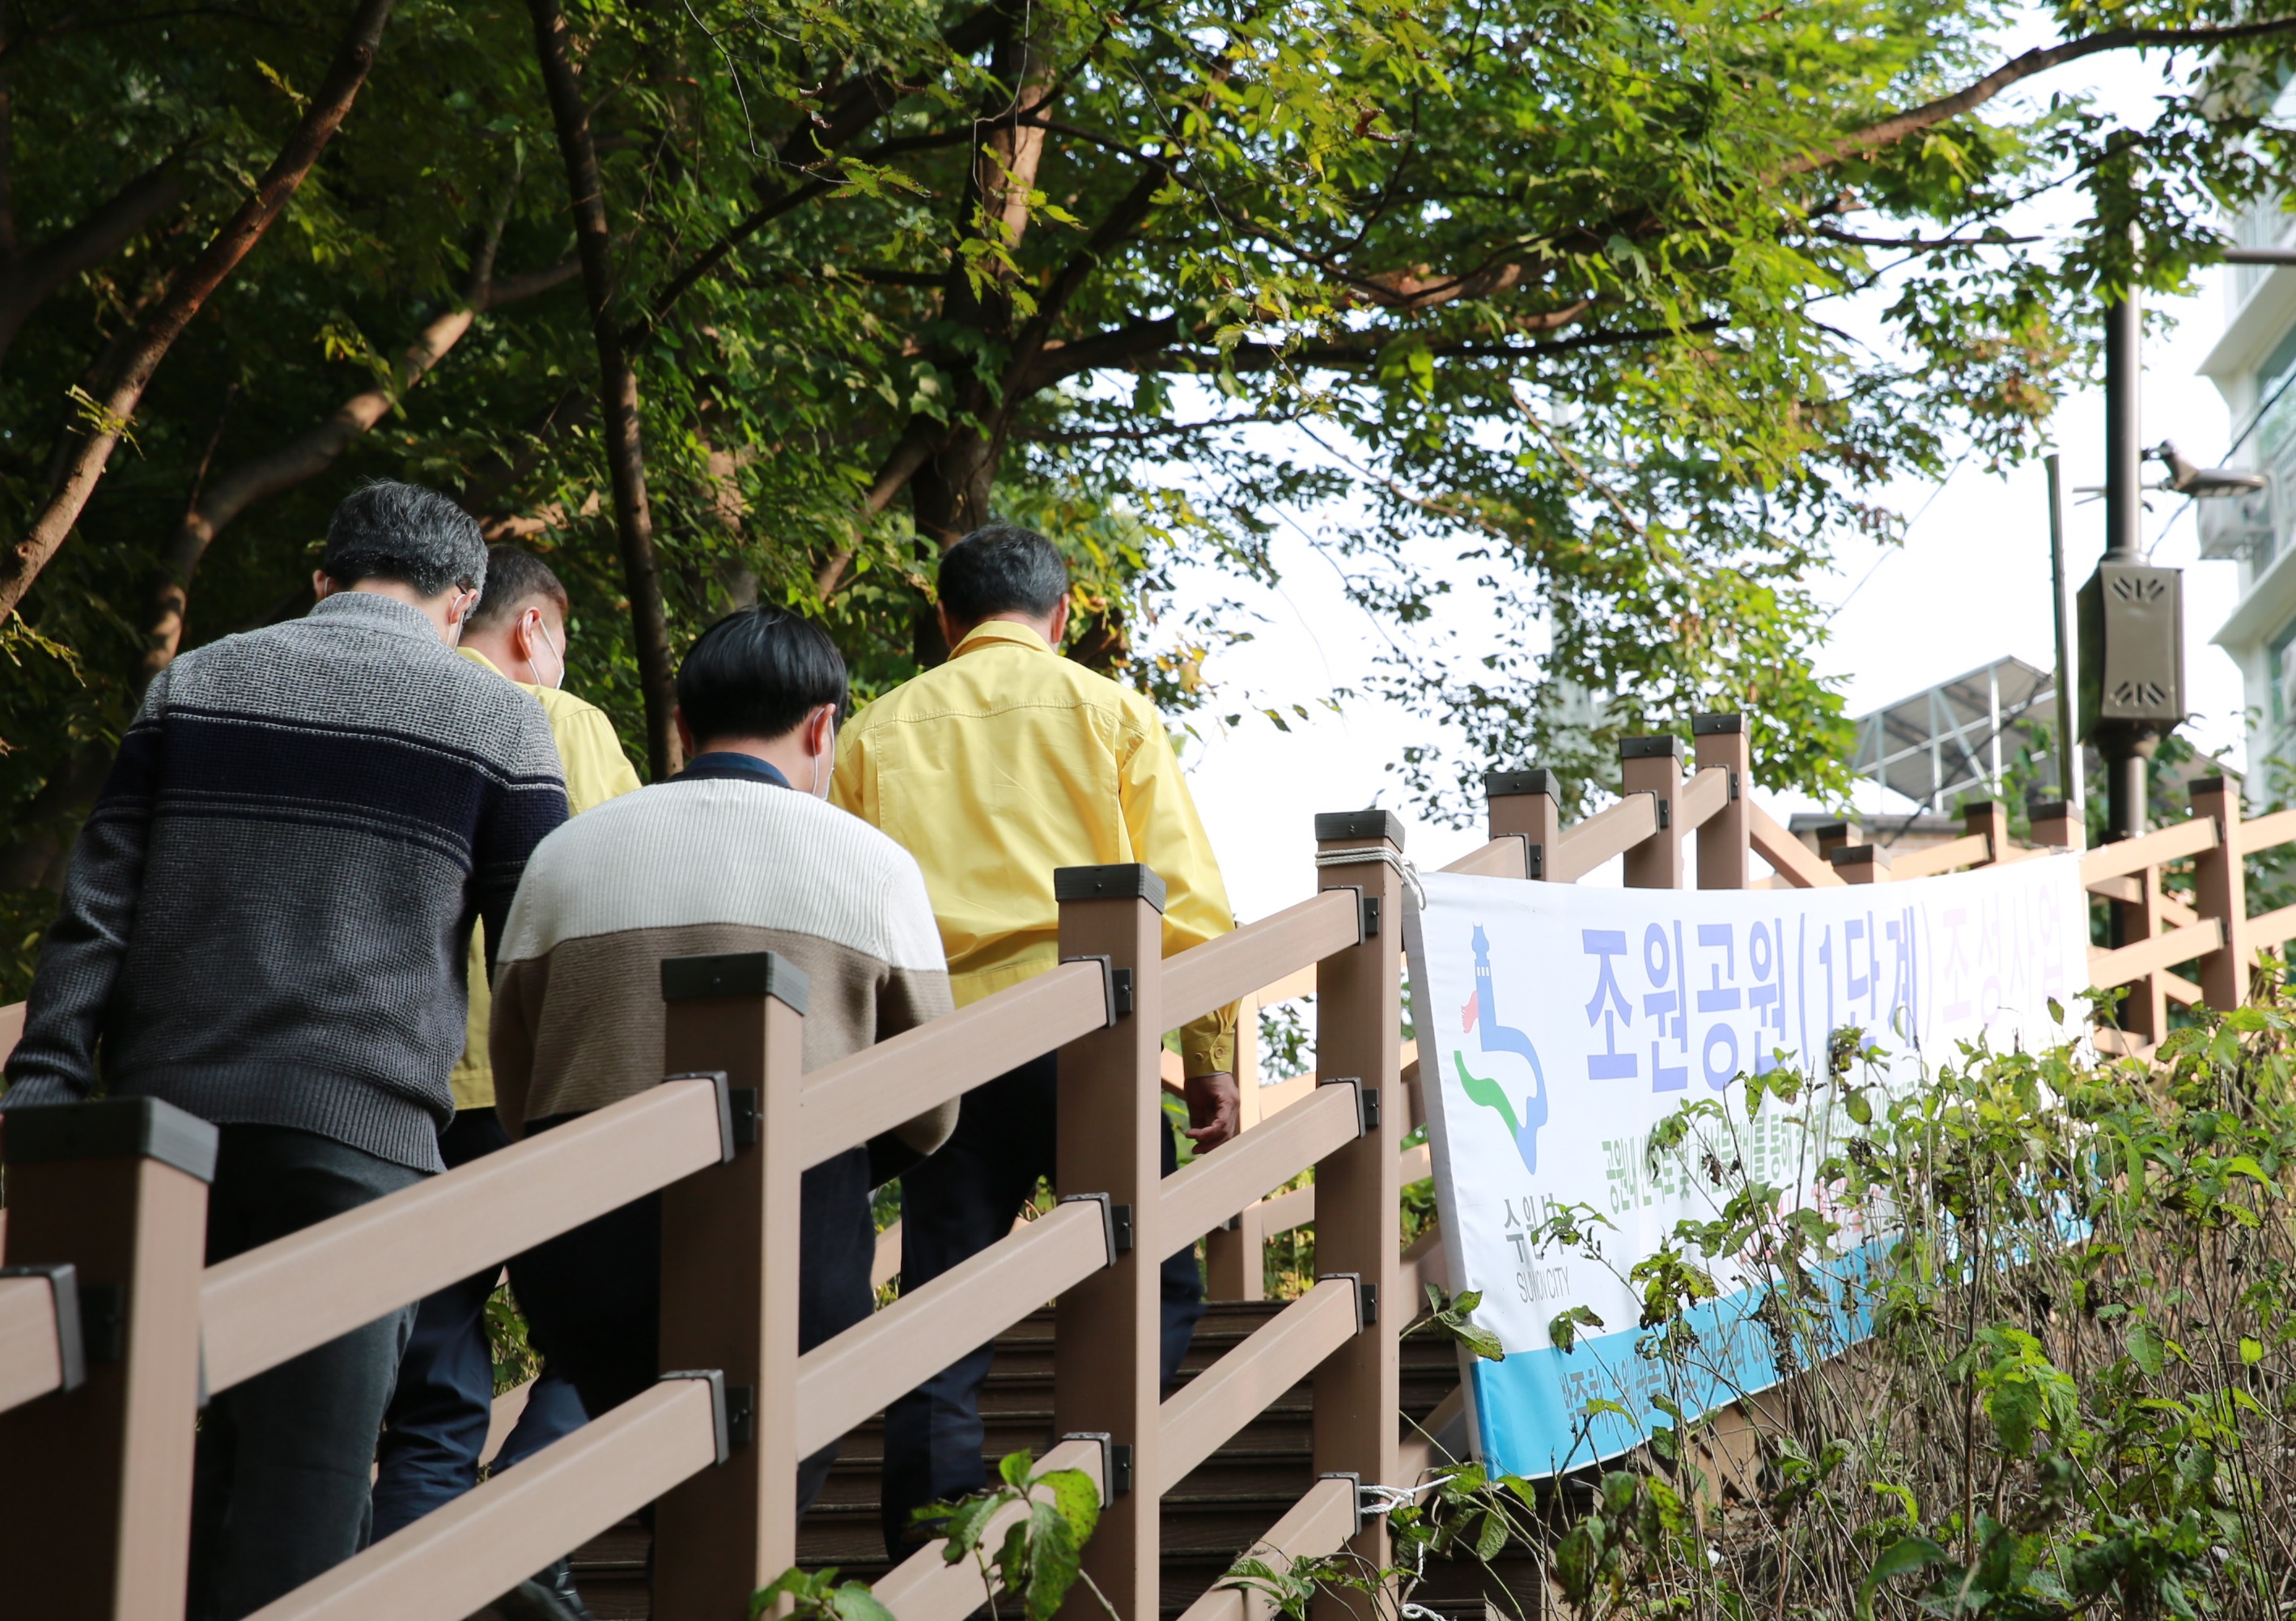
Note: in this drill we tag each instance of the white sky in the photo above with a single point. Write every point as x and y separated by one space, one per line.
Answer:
1969 584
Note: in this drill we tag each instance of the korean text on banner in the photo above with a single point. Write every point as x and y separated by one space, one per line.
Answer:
1558 1026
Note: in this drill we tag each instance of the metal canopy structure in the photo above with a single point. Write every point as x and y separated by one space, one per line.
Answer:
1959 733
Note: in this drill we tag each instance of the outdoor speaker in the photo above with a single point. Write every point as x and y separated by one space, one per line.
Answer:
2132 646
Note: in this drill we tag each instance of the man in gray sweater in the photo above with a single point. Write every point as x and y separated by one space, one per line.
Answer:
264 922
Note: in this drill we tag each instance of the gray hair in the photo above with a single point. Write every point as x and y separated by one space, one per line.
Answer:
391 531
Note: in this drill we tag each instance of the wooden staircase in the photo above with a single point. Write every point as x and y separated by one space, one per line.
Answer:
1210 1518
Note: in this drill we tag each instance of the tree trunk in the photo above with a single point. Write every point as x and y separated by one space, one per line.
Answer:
618 387
187 292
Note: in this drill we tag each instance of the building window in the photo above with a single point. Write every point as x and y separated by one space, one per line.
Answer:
2280 666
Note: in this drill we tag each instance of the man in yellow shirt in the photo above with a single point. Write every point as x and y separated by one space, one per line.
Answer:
437 1423
993 770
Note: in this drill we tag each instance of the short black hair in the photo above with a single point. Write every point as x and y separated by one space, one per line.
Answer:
512 578
391 531
756 673
1001 568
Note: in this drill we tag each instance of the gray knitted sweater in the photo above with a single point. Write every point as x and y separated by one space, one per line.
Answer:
267 915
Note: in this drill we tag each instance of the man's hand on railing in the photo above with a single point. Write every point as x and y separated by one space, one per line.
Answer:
1214 1107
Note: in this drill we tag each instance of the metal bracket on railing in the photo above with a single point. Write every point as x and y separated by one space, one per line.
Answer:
719 1415
63 1290
1118 1238
1534 858
1366 1102
1370 929
1115 985
1120 1468
1101 1439
730 1130
103 1322
1355 1492
1367 1296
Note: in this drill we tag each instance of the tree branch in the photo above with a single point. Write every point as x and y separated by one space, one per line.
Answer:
1913 120
26 281
187 292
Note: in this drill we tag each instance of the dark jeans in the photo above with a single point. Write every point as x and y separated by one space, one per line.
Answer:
280 1483
436 1426
593 1296
954 1206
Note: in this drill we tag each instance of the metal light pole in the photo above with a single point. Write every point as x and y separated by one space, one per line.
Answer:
2069 749
2132 621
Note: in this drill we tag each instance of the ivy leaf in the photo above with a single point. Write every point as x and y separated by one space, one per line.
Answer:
1563 1328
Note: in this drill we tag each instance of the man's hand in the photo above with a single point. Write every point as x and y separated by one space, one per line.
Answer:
1214 1107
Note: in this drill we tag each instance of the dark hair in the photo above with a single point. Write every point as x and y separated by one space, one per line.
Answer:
1001 568
513 578
403 532
756 673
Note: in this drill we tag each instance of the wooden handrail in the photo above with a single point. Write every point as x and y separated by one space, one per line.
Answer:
1790 857
875 1089
1422 1264
1608 832
457 1560
1704 796
1500 858
2265 831
2271 927
2134 855
257 1310
31 1356
842 1382
1238 1388
2110 968
1319 1524
11 1028
1297 1207
1217 1185
1241 961
926 1586
1942 858
1419 1451
2125 888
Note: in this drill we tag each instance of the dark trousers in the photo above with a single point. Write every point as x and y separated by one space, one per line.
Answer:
954 1206
280 1481
436 1426
593 1296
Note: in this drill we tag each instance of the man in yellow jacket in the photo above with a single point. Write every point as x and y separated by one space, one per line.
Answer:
439 1416
993 770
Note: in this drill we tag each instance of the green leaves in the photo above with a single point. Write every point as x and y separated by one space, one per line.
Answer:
817 1595
1562 1328
1902 1556
1451 1315
1045 1519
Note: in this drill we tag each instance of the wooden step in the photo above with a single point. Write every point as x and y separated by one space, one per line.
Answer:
1213 1515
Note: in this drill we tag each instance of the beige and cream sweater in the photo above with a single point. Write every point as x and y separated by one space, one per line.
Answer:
696 867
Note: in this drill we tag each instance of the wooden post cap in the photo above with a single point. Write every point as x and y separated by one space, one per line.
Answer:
1374 821
113 1129
1716 725
1512 784
1125 880
1859 855
1659 747
739 973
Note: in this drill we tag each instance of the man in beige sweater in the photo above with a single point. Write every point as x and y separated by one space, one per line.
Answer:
738 852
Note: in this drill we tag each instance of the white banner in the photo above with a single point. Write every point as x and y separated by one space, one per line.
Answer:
1558 1025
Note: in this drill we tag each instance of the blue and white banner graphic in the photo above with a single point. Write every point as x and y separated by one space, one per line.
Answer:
1559 1025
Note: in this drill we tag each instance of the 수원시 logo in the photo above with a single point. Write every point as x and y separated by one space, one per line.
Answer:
1481 1012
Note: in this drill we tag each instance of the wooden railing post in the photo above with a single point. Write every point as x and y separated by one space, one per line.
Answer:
1527 804
96 1484
2055 824
1653 766
2220 886
1235 1255
1358 1033
1834 836
1861 864
729 1282
1988 819
1106 1375
2145 1014
1724 850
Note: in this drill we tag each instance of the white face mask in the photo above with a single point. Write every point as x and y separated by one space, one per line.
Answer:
825 762
541 633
